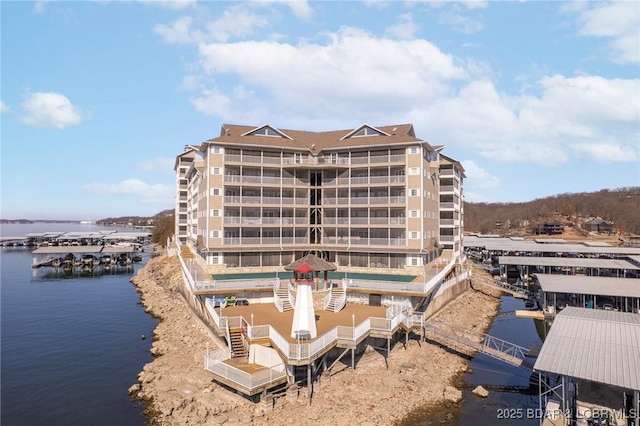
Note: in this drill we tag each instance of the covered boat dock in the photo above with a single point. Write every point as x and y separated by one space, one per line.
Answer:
589 367
608 293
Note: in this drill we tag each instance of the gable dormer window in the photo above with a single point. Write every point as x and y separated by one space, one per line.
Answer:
266 131
364 131
367 131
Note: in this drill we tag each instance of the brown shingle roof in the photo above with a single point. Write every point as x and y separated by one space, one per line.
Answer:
237 135
316 263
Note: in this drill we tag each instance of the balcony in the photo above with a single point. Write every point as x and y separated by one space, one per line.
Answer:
363 241
365 181
228 199
257 241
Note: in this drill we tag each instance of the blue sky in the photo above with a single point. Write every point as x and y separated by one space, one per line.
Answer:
98 97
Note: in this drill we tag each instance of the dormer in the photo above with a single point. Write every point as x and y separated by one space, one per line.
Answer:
364 131
267 130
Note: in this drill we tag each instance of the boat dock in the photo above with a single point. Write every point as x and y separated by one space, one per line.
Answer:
85 257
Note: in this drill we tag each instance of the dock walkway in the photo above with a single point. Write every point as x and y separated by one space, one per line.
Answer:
480 342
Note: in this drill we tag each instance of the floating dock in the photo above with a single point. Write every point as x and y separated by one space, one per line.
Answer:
530 314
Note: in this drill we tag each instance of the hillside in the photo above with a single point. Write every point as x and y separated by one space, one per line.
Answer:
620 206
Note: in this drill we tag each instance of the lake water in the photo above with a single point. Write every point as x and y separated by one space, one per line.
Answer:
502 379
71 346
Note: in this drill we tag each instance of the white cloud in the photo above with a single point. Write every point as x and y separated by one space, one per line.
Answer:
399 74
300 8
477 177
330 83
3 107
478 182
235 22
38 6
212 102
405 29
573 119
458 15
170 4
50 109
179 31
619 21
163 164
143 192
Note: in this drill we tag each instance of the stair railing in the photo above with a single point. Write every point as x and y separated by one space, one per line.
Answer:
327 298
276 297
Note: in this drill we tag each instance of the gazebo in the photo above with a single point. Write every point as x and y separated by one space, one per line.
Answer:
314 266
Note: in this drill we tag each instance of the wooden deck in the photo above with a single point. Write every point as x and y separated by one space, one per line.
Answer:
266 313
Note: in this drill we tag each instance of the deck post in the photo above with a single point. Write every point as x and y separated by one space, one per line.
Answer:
353 359
388 350
309 383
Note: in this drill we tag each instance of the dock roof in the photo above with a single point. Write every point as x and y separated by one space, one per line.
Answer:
599 286
578 262
595 345
82 249
493 243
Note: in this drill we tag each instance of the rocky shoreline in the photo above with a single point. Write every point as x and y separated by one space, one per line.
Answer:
419 383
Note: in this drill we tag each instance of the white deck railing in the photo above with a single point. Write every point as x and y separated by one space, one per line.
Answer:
249 381
302 351
234 284
327 298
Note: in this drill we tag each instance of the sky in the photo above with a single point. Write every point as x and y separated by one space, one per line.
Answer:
99 97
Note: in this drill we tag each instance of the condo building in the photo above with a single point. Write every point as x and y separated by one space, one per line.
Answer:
371 197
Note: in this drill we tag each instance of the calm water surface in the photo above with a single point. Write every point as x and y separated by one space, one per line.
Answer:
502 378
71 346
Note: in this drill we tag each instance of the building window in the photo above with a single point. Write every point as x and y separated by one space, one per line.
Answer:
414 235
216 150
215 213
215 234
215 170
414 171
414 213
215 191
413 150
367 131
414 193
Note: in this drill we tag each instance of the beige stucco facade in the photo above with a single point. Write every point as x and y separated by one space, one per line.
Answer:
370 197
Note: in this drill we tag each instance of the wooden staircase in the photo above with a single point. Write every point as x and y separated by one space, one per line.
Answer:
335 305
283 294
185 252
238 347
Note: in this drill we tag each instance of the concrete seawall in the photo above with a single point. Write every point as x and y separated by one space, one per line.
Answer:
445 297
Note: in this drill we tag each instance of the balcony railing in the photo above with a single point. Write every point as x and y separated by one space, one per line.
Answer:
273 200
376 159
342 201
239 241
360 241
365 180
263 180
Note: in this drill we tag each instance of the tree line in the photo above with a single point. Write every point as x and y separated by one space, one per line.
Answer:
620 206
